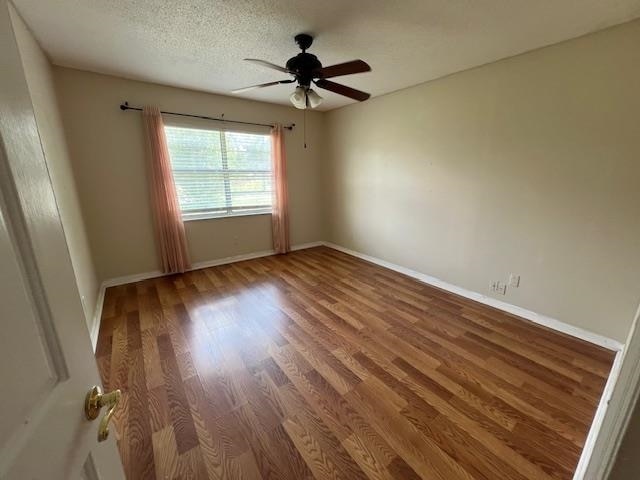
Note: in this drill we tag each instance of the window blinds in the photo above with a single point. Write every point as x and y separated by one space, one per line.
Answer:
220 173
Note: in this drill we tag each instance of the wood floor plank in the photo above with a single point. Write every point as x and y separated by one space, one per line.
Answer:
165 453
119 356
400 470
183 426
319 365
139 433
482 429
257 439
151 356
191 465
217 464
426 458
373 466
308 446
330 445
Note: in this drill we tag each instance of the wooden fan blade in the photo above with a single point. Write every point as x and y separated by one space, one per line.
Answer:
343 90
264 63
262 85
347 68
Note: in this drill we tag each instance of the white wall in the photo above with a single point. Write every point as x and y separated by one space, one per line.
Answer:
108 155
530 165
41 88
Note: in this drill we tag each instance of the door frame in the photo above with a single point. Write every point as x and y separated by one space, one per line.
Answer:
614 412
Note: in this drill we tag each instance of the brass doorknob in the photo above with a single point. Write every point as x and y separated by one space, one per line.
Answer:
94 402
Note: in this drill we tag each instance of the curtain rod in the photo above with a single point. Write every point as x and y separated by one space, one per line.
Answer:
125 106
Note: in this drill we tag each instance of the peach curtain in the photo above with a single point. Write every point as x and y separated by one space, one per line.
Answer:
280 213
170 236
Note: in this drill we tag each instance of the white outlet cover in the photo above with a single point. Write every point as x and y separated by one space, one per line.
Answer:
514 280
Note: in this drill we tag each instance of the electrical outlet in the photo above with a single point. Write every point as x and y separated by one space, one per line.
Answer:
514 280
498 287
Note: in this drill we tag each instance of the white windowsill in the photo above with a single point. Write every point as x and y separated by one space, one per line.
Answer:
212 215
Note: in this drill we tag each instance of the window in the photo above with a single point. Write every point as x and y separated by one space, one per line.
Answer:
220 173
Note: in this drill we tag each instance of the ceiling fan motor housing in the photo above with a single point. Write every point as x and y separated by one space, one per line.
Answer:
304 65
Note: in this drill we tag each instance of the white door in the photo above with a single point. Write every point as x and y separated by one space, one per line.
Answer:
46 361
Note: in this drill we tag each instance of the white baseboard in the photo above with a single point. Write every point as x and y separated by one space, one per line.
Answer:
137 277
304 246
534 317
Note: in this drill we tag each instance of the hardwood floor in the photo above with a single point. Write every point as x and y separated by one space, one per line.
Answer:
320 365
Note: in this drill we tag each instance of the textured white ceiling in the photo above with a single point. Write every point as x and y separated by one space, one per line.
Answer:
200 44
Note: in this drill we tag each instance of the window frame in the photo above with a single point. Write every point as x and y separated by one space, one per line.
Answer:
229 210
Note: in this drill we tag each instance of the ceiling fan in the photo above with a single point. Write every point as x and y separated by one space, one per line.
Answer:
306 70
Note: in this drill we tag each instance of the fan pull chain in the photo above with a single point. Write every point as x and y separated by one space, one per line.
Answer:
304 127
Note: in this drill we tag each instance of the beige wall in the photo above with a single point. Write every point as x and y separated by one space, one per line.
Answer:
108 155
529 165
41 88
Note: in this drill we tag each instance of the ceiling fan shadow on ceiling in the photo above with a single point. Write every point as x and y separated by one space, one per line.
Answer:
306 70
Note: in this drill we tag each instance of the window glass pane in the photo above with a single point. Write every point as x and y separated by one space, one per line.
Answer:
248 152
198 191
193 149
220 172
250 190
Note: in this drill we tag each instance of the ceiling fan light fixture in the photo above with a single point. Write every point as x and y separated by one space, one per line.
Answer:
299 98
304 98
313 98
